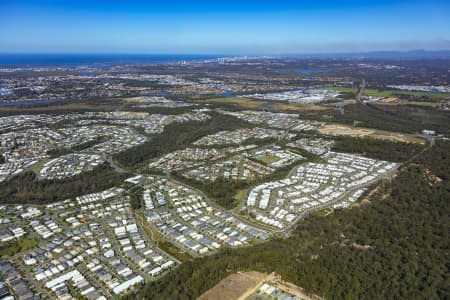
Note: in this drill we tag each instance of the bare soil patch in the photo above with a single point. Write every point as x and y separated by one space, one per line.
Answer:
234 286
240 286
338 129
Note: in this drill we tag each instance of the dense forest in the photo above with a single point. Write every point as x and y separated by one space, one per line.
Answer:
178 136
425 116
394 246
26 188
135 197
221 190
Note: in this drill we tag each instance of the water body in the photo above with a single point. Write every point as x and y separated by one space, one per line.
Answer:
86 73
267 105
225 94
9 60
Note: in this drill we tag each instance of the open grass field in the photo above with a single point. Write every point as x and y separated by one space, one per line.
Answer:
245 103
240 195
269 159
37 167
292 107
242 102
248 103
344 130
393 93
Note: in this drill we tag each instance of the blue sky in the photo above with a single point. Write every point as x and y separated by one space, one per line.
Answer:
224 27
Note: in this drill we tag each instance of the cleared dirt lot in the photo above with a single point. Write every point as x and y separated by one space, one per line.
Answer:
235 286
240 286
337 129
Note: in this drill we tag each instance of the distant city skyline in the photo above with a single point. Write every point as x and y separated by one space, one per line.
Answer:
225 27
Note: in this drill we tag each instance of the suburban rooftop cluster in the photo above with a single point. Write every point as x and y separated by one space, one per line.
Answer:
102 244
242 163
156 101
302 96
69 165
190 221
276 120
241 135
312 186
93 243
27 140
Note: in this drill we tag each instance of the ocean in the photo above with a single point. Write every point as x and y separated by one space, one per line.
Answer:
35 60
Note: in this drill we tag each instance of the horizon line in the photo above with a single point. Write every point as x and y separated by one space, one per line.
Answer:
225 54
